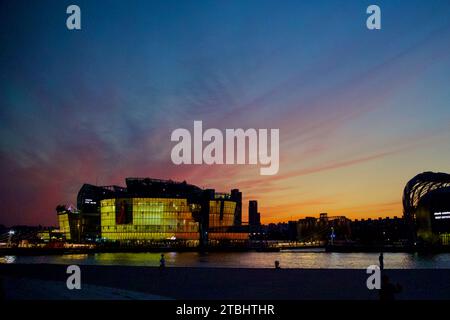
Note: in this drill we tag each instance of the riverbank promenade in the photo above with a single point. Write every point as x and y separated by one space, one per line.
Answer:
23 281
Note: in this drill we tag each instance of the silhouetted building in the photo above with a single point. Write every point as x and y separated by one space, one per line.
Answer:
381 231
313 229
308 229
426 206
277 231
236 196
253 214
292 232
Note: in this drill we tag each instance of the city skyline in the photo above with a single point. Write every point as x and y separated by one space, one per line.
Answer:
360 112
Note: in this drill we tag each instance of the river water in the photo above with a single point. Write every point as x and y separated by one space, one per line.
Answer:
316 259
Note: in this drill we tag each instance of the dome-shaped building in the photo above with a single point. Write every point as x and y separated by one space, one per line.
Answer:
426 205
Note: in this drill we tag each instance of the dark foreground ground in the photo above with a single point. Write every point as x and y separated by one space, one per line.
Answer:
44 281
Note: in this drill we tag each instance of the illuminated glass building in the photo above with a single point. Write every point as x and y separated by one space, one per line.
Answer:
63 221
149 210
147 219
426 205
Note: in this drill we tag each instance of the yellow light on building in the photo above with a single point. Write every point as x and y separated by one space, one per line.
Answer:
152 219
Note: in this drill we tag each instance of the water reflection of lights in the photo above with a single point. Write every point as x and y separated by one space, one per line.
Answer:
74 256
8 259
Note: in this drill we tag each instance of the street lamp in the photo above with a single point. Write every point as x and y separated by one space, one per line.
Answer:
10 234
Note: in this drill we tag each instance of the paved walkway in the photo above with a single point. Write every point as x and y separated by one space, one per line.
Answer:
34 289
216 283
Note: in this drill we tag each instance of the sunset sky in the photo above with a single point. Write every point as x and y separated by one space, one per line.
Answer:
360 112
